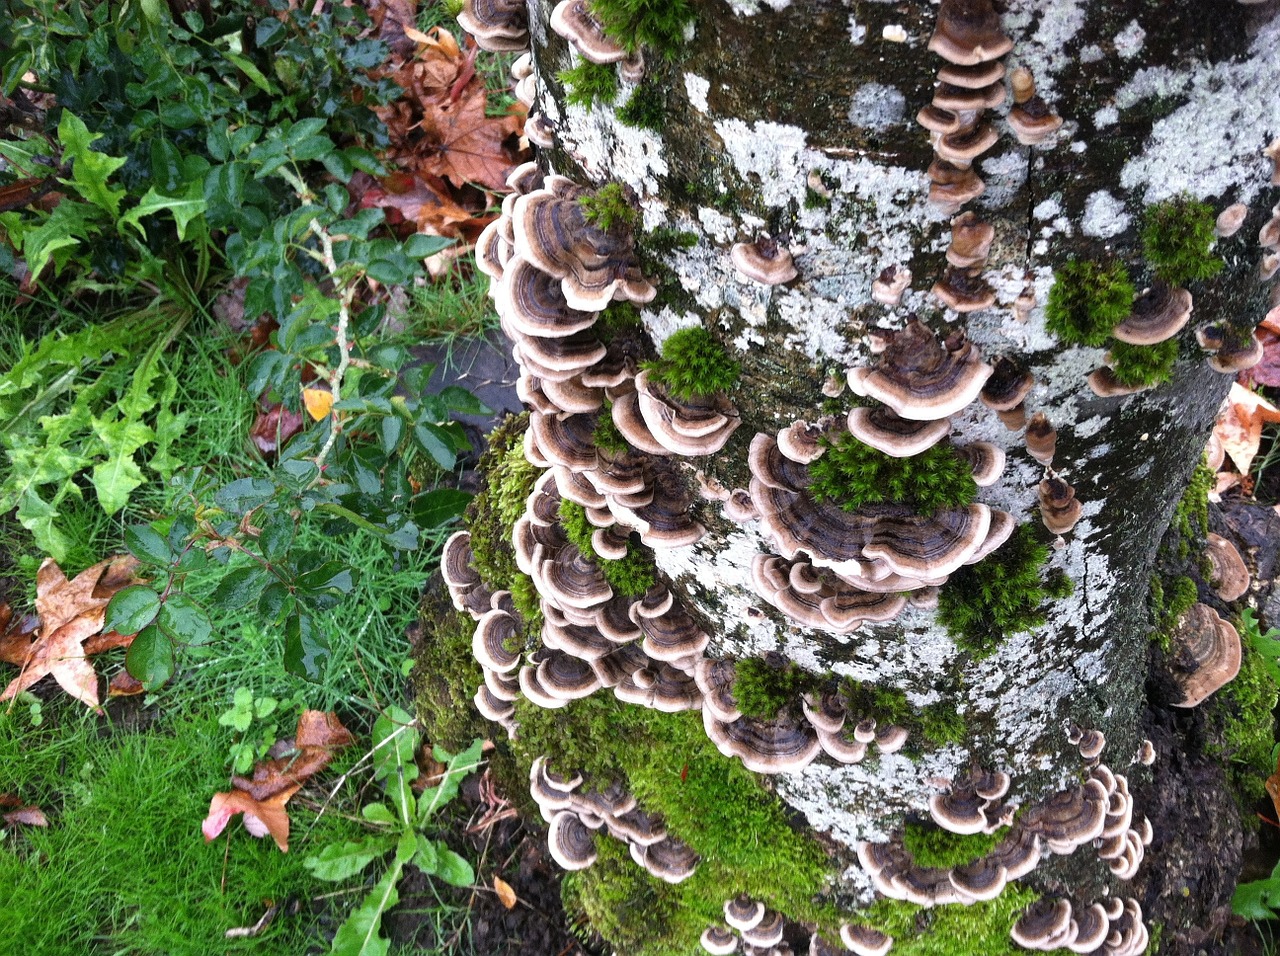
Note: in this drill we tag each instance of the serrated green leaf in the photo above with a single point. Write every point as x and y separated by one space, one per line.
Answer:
184 620
437 443
238 588
244 494
341 861
440 506
150 657
131 609
306 649
90 169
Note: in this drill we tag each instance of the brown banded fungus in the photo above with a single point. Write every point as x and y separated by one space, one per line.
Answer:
574 21
971 240
921 378
888 432
963 290
719 941
766 261
781 745
865 940
499 26
1208 654
888 287
968 33
1041 438
1059 507
1228 575
1158 314
571 843
1230 220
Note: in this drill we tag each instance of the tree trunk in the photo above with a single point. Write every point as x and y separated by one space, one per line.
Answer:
795 123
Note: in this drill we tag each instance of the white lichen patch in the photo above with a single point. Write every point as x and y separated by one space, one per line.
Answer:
747 8
1104 216
606 149
1042 34
1128 42
1107 116
697 88
660 325
1210 145
820 327
877 106
1005 174
857 32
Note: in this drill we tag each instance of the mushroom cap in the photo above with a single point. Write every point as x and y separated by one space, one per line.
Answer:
1059 508
979 880
799 441
865 940
766 261
1212 647
719 940
660 686
456 568
1230 220
985 459
951 186
1007 387
567 677
1092 926
966 144
1018 852
921 378
1228 575
826 713
495 632
1033 122
968 33
492 707
767 932
571 844
974 76
886 431
766 462
1158 314
888 287
1070 817
963 290
971 240
960 811
967 99
782 745
715 680
672 636
891 739
574 21
532 301
1231 357
499 26
1104 384
572 580
929 547
669 860
1044 925
841 746
1092 743
689 427
743 913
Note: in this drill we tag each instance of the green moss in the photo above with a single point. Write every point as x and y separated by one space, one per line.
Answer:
495 509
646 107
1248 726
606 435
763 687
1002 594
657 25
952 930
706 799
853 474
1191 514
664 239
446 675
937 724
1169 599
590 83
930 845
631 575
694 364
1176 236
1087 301
608 208
1143 365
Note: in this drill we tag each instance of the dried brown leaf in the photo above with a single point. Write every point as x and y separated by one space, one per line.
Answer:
506 895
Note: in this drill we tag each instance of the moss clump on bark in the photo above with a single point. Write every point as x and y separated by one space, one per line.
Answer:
589 84
762 687
1087 301
1245 707
656 25
1176 237
706 799
646 107
952 930
1002 594
936 724
630 576
852 474
495 509
608 208
446 674
1191 514
694 364
1169 599
1143 365
930 845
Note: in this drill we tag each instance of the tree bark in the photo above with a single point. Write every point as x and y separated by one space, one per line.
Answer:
796 122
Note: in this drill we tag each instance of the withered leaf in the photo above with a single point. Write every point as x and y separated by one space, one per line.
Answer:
260 816
506 895
1239 425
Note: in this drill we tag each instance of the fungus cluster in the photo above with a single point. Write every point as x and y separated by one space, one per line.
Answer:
1109 927
1207 656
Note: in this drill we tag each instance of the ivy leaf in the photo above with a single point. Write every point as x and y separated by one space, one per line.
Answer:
90 169
183 208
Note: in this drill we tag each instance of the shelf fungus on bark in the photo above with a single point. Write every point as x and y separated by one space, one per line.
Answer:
921 378
971 240
1158 314
719 940
1110 927
1059 507
888 287
691 427
1227 575
1236 353
886 431
1005 392
766 261
499 26
1031 119
781 745
1230 220
1208 654
968 33
765 933
964 290
865 940
574 21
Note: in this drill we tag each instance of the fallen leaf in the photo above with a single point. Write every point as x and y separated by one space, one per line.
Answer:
321 728
260 816
318 402
70 612
464 145
1267 371
124 684
424 202
506 895
274 427
32 816
1239 425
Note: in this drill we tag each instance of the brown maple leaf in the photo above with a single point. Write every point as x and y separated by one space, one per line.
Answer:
423 201
260 816
1239 425
70 613
462 144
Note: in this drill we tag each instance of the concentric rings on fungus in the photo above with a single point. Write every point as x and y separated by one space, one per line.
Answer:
921 378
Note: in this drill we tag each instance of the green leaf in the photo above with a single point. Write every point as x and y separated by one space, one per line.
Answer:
453 869
247 67
420 245
458 399
131 609
436 508
1257 900
37 516
183 208
395 740
456 768
425 858
244 494
147 545
89 168
275 602
184 620
306 649
341 861
437 443
150 658
406 847
238 589
277 536
378 813
361 933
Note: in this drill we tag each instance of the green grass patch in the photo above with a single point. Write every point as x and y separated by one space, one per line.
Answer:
123 867
852 474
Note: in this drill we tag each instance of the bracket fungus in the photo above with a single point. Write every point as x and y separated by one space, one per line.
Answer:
921 378
1208 654
1227 575
499 26
766 261
1158 314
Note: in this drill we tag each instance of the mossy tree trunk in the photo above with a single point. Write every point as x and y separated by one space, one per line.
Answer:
795 121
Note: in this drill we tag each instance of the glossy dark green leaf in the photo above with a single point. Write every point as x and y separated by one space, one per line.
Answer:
131 609
147 545
239 588
277 536
275 602
435 508
437 443
244 494
305 647
184 620
420 245
150 658
458 399
329 576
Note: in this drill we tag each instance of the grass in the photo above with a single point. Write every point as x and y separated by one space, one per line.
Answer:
123 867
